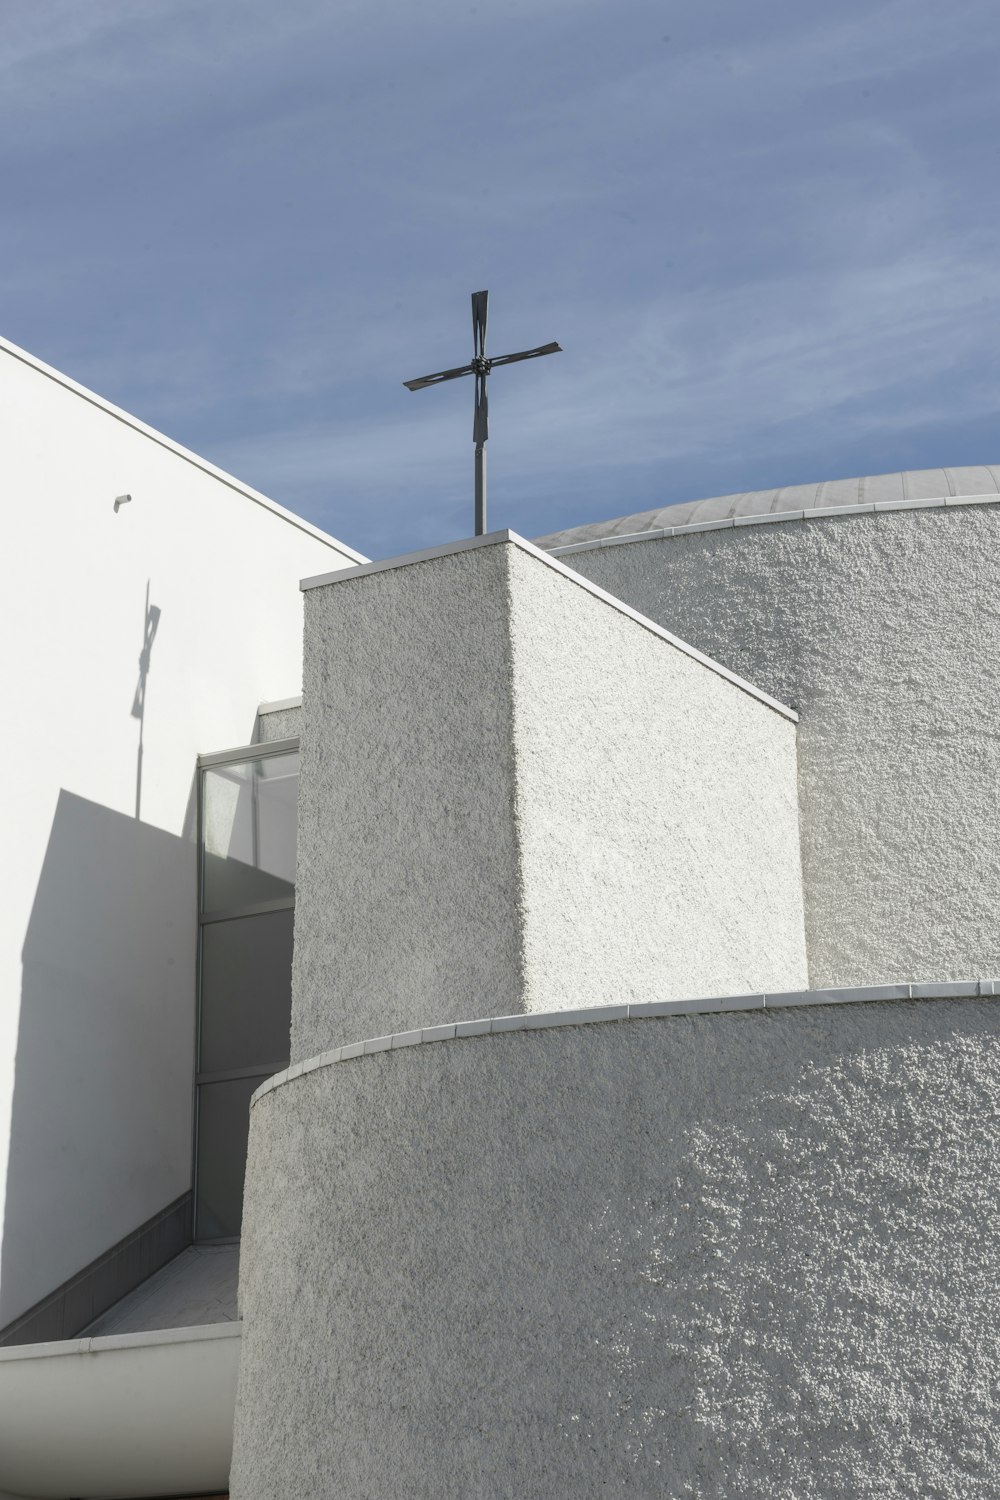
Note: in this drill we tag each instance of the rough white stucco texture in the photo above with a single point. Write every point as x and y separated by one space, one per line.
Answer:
406 884
515 797
657 820
705 1257
884 632
279 724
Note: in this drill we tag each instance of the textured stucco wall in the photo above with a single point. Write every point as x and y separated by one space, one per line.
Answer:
884 632
657 813
279 724
706 1257
406 886
514 796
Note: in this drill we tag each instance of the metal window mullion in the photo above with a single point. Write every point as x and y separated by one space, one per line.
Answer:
255 816
248 752
233 1075
258 909
196 1099
205 763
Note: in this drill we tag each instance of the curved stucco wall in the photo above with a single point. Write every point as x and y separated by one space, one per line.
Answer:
707 1256
883 631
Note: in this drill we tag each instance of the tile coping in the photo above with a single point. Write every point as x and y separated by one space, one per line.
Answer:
498 538
731 523
951 989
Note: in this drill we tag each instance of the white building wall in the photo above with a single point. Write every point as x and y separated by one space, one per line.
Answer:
98 894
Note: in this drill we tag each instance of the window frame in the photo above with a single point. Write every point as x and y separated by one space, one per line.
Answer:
239 754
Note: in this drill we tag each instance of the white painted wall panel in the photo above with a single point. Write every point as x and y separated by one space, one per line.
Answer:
97 894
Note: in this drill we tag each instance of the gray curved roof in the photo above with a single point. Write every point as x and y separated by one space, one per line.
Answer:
912 484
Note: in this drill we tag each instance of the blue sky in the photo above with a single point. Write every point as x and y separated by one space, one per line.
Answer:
765 235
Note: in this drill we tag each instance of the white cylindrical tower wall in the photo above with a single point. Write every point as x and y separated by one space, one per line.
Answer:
883 631
712 1255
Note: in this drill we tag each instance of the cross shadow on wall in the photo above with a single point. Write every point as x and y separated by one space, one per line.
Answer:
151 620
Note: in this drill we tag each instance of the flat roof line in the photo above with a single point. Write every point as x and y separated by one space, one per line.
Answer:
176 448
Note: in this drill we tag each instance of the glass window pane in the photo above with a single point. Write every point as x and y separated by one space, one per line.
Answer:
246 992
223 1126
248 813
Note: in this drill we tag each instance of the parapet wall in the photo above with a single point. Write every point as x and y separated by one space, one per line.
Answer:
516 795
883 631
751 1253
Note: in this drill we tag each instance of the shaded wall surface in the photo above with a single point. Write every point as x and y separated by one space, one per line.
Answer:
516 797
100 1130
744 1254
883 631
407 870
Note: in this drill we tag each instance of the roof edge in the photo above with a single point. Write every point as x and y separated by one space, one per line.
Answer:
177 449
771 518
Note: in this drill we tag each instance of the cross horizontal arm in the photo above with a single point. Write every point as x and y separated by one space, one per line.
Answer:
510 359
418 385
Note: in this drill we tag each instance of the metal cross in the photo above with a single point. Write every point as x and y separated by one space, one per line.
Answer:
480 367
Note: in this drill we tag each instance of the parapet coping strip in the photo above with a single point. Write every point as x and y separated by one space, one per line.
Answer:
280 705
106 1343
951 989
817 512
496 538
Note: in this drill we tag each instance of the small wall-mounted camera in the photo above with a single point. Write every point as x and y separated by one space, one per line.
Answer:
121 500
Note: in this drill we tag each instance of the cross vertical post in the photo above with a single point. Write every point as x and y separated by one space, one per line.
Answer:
480 519
480 425
480 368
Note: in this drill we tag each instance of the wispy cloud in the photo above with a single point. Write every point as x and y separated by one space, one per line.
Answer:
763 235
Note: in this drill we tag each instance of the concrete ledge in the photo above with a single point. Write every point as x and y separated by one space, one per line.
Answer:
712 1005
137 1414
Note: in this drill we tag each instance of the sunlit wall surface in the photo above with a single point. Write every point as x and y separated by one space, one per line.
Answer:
247 905
98 916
